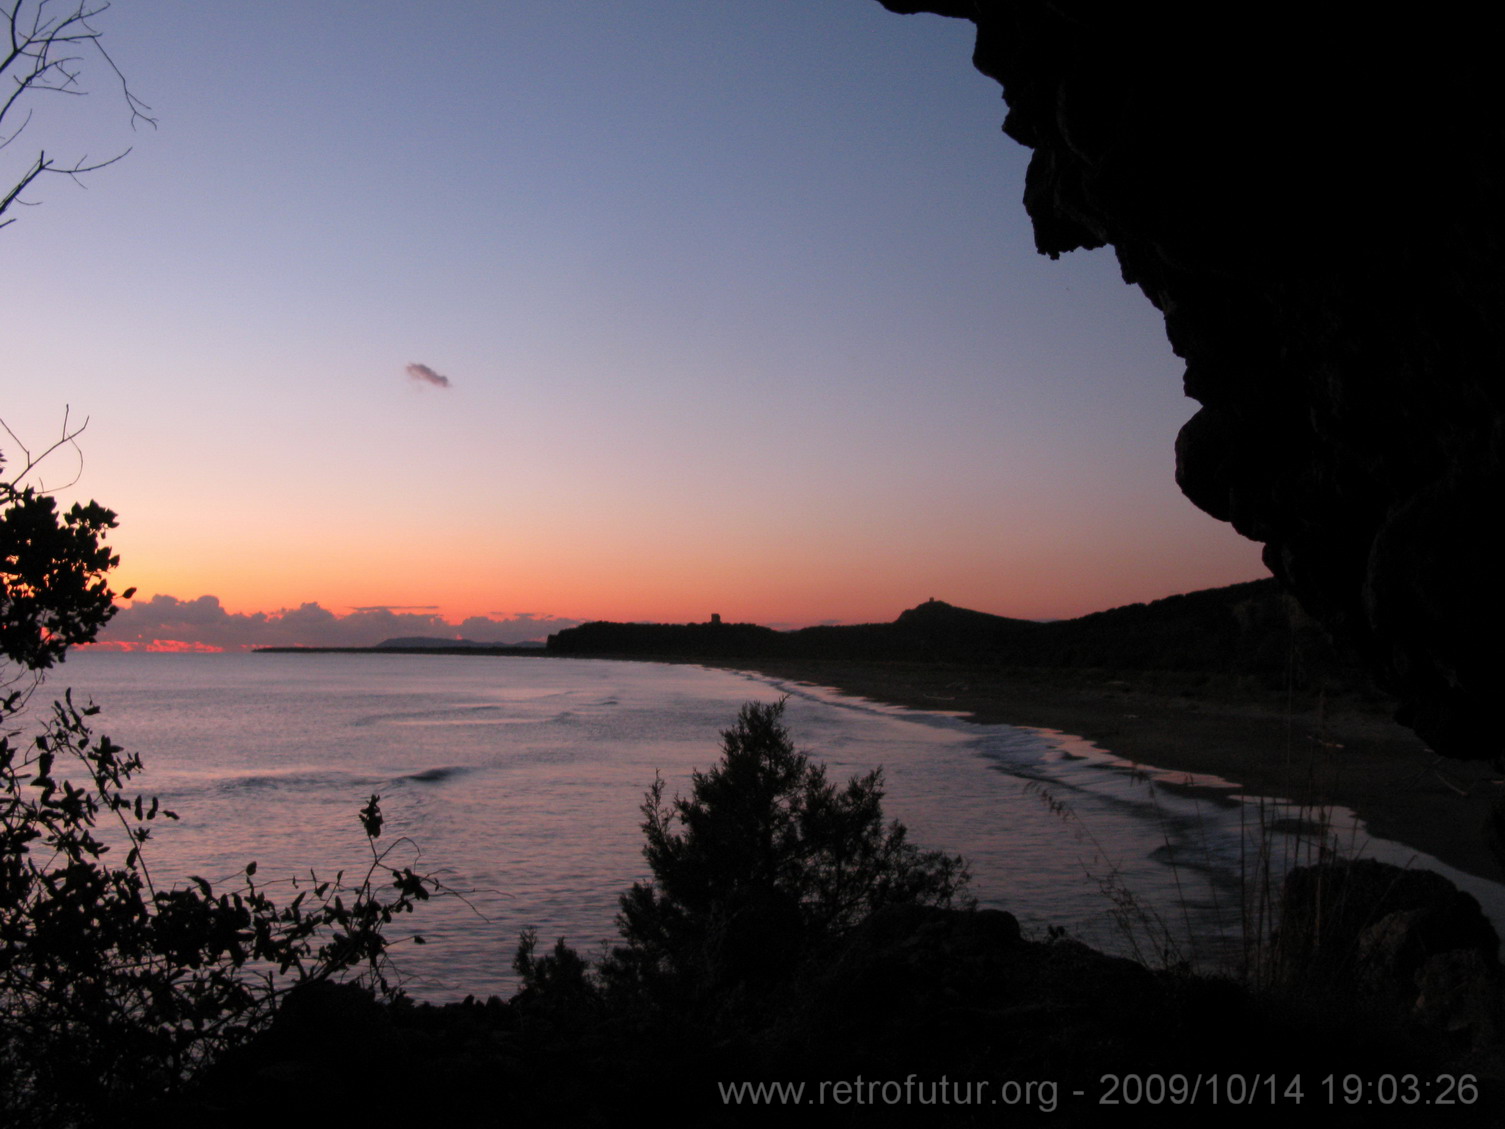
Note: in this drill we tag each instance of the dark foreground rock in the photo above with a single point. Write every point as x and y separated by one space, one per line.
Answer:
1406 940
940 1017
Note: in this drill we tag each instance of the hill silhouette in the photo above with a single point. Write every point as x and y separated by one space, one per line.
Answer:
1240 629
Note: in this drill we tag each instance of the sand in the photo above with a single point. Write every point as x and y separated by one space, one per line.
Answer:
1343 751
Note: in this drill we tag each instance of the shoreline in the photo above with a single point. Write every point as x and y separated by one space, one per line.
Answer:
1344 751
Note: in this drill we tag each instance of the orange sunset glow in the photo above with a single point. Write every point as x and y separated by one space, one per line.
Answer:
648 351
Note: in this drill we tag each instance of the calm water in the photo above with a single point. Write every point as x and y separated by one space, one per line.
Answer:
518 782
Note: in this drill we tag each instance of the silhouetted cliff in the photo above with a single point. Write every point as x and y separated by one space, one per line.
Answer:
1310 194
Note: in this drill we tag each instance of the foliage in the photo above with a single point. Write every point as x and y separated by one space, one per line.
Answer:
53 591
111 988
762 867
560 987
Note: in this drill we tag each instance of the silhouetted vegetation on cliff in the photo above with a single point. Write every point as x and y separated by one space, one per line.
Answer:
1251 628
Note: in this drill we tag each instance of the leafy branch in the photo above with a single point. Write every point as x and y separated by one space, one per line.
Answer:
112 988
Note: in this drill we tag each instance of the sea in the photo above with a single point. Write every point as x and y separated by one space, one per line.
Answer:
517 783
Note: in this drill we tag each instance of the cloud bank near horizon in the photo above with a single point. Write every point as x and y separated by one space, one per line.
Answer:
204 623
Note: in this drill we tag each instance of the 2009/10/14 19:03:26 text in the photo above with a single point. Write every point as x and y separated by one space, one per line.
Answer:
1272 1089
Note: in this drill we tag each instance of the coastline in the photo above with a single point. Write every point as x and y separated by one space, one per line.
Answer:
1344 751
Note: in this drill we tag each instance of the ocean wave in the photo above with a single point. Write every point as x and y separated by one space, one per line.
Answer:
291 780
437 775
486 713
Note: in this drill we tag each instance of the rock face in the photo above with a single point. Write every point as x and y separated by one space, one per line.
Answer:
1407 939
1310 195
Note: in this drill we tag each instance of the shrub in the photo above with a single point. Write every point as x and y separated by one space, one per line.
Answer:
764 865
113 991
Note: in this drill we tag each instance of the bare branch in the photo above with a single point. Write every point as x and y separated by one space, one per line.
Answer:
48 49
12 484
36 170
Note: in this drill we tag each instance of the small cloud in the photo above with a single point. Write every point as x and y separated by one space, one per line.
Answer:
425 375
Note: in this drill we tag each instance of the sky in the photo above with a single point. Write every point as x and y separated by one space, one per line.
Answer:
404 317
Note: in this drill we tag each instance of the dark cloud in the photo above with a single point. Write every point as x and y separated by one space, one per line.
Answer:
522 627
205 623
425 375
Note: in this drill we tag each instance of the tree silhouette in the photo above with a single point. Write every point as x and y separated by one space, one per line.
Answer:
765 864
53 586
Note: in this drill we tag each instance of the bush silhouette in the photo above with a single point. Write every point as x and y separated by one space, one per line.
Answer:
113 990
764 865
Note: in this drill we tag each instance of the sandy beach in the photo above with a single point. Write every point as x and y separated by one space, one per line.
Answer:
1345 751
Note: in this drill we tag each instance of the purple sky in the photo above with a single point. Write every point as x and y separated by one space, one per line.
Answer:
629 311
